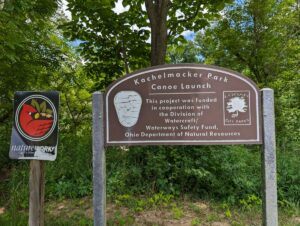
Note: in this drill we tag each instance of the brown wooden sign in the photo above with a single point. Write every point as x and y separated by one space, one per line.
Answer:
183 104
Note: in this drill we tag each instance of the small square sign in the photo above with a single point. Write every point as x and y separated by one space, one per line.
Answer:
236 107
35 127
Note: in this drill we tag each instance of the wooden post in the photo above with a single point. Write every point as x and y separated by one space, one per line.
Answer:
270 210
37 193
99 172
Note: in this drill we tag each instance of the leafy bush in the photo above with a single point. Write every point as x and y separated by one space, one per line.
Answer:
288 177
230 173
70 175
211 171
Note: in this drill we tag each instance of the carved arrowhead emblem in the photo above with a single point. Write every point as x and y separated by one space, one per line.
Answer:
128 105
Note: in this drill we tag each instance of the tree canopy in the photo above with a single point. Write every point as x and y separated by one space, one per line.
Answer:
261 40
35 56
28 50
114 43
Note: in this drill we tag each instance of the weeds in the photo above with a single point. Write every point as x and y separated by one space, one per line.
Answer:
135 204
177 212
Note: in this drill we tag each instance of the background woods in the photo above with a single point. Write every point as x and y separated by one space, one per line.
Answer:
42 49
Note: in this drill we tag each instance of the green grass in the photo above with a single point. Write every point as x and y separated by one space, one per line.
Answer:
158 209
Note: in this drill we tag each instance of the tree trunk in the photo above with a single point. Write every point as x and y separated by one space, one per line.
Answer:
157 12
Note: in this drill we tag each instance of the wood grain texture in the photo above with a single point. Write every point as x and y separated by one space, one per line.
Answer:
37 193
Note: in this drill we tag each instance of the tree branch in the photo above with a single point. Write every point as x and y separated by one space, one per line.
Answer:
250 65
192 17
71 113
123 50
150 9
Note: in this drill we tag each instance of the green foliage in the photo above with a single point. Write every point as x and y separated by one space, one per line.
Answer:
212 217
117 43
288 110
196 222
119 219
27 57
24 54
79 220
261 40
74 179
17 220
215 171
34 56
177 212
264 31
15 195
5 133
110 46
250 201
137 204
186 52
21 219
288 177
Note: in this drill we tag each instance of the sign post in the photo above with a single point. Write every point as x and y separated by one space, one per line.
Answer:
184 104
270 209
37 193
34 137
99 172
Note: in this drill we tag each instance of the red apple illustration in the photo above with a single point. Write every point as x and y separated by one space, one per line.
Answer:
32 124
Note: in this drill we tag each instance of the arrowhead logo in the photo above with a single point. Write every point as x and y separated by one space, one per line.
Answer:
36 118
128 105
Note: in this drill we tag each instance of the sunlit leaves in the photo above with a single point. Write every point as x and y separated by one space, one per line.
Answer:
261 40
117 43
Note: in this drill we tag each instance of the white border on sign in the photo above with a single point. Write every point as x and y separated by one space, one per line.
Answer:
182 141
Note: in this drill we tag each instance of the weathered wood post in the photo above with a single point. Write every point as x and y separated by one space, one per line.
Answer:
99 174
270 209
37 193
